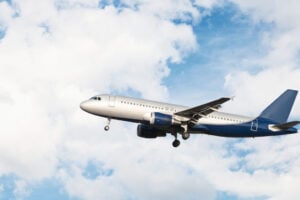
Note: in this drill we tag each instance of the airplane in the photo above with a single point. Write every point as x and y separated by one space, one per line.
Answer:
157 119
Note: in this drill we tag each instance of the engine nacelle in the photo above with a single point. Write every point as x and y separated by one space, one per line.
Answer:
145 131
161 119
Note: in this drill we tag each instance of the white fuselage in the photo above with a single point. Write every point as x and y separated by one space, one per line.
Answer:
138 110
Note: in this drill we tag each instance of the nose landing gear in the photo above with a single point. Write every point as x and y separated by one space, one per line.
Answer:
106 127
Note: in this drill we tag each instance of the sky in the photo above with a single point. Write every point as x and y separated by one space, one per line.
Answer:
56 53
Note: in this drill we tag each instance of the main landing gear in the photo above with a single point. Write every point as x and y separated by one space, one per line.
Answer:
106 127
185 136
176 142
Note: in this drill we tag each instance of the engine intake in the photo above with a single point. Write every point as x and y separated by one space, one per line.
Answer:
145 131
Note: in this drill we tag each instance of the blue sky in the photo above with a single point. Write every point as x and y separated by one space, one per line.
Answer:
185 52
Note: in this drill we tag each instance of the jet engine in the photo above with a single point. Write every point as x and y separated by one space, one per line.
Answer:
145 131
161 119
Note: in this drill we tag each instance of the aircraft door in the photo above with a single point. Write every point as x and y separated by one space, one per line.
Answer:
112 101
254 125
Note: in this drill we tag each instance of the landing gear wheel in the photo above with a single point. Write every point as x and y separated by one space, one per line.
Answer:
185 136
176 143
106 128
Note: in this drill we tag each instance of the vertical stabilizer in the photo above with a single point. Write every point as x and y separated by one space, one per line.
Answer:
279 110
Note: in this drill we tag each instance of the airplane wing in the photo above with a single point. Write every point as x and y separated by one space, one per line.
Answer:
197 112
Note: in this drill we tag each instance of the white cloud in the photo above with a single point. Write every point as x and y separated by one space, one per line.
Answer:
280 69
259 90
208 3
168 10
62 4
284 14
21 189
5 14
140 176
140 50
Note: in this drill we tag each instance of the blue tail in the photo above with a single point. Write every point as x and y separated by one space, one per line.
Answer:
279 110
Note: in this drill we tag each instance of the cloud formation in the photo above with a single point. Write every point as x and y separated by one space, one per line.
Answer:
56 53
280 65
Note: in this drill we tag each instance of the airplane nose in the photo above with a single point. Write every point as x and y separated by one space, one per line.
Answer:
84 105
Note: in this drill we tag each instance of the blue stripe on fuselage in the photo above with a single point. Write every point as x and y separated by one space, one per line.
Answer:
233 130
241 130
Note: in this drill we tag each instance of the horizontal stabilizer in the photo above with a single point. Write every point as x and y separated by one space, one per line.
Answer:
287 125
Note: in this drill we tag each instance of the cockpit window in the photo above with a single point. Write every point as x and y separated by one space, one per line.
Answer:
96 98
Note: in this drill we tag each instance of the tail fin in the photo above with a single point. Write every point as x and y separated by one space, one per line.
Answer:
279 110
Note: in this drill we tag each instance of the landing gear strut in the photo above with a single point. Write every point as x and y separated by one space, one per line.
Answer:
176 142
106 127
185 134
